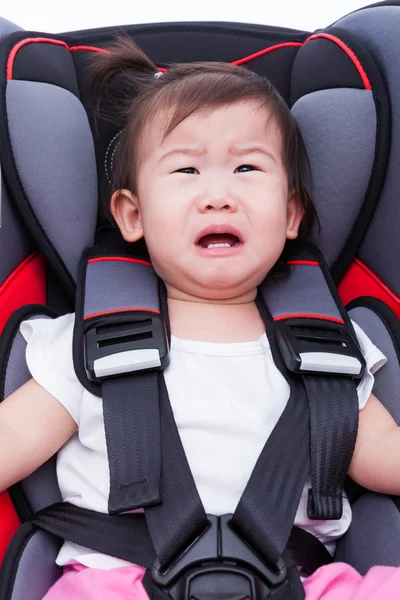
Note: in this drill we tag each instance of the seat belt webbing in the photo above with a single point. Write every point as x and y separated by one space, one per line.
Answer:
334 410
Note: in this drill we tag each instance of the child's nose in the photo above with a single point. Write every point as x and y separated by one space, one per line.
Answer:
218 201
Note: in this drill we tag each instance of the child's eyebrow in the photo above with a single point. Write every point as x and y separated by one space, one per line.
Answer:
184 151
240 150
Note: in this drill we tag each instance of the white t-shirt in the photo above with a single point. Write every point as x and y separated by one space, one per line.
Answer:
226 400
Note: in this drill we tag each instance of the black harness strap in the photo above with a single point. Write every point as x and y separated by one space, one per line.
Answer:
123 536
180 518
133 437
127 536
267 508
334 411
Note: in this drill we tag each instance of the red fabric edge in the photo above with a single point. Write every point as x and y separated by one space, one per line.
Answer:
348 51
121 259
361 281
25 285
111 312
17 47
305 316
310 263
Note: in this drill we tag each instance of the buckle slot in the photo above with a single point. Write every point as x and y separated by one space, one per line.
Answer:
123 344
311 347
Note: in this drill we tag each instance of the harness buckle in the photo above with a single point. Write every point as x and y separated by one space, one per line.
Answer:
219 564
119 344
316 346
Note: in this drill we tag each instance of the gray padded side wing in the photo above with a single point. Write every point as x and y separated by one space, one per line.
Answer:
378 28
28 576
12 235
54 153
339 130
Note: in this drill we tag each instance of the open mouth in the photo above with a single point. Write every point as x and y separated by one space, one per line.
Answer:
219 240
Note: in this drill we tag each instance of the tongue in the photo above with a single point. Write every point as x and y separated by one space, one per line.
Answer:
218 238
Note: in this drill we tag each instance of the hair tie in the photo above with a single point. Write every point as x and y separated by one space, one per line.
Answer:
157 75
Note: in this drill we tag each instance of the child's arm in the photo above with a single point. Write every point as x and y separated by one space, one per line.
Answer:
33 426
376 459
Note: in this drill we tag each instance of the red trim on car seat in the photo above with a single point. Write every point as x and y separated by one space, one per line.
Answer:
25 285
89 48
111 312
14 51
349 53
9 523
246 59
311 263
120 258
17 47
361 281
305 316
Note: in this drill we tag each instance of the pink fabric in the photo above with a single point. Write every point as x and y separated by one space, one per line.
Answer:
81 583
337 581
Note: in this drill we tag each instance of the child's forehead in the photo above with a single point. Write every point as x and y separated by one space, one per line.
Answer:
243 122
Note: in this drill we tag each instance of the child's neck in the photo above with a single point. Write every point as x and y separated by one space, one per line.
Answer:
215 322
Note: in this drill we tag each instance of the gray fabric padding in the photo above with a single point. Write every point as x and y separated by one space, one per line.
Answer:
41 488
6 27
136 285
54 154
12 236
37 570
387 379
291 295
378 28
374 534
339 129
17 372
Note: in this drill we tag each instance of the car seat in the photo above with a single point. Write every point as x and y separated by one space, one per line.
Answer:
343 88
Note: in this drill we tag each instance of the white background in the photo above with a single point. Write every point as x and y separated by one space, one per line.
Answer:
52 16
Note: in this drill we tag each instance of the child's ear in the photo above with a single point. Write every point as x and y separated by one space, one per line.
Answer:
295 213
126 211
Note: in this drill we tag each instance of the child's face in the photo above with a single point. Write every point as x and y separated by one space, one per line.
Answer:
215 179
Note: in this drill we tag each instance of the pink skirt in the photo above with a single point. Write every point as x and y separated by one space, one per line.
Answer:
337 581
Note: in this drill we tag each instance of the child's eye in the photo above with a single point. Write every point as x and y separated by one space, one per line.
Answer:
187 171
246 168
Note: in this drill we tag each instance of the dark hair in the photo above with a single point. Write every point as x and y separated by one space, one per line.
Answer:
185 89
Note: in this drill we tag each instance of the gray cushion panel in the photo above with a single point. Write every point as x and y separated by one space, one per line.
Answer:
37 570
54 154
41 488
379 29
374 534
339 130
387 380
17 372
291 295
136 284
12 235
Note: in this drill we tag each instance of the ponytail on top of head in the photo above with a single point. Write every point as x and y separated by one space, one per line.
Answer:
122 57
